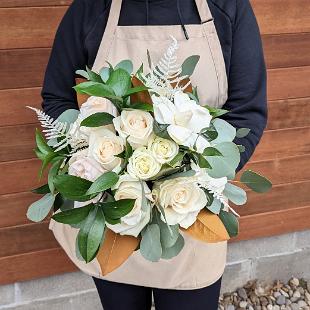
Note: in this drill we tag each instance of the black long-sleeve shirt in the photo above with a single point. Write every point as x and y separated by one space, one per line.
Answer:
80 31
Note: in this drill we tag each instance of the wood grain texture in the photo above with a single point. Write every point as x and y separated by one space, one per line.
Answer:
13 104
29 27
26 3
274 223
287 50
32 265
278 16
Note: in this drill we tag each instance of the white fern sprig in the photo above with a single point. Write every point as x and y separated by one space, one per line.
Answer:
54 129
166 73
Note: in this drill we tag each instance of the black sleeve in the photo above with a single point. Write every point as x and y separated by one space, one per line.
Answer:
67 55
247 100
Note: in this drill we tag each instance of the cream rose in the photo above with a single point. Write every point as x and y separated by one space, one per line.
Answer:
163 150
83 166
181 199
137 125
103 146
132 223
142 164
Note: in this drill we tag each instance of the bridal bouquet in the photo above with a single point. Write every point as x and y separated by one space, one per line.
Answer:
144 158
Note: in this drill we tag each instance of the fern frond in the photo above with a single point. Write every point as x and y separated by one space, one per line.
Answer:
166 73
65 133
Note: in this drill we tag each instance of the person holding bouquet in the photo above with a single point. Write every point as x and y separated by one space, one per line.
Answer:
230 74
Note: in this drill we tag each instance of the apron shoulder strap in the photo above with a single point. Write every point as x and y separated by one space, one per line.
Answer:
113 18
203 10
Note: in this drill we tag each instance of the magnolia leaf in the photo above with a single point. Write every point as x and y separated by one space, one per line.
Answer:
73 216
125 65
93 76
115 210
168 253
235 194
104 73
95 235
255 181
97 120
115 250
58 203
150 246
230 222
69 116
72 187
44 189
224 165
242 132
104 182
83 232
208 228
189 65
40 209
226 132
120 81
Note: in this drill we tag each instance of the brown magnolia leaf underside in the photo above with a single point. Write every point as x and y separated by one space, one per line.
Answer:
81 98
115 250
140 97
208 228
188 89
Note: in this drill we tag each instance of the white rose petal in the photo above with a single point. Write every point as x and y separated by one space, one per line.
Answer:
181 198
97 104
83 166
164 110
163 150
103 146
137 125
139 216
142 164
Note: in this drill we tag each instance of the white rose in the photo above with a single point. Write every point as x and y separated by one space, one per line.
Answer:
163 150
83 166
103 146
142 164
133 222
95 105
181 199
137 125
185 118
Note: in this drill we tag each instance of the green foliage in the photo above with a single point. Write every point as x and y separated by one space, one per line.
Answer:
39 210
52 173
255 181
44 189
141 106
93 76
120 81
215 206
160 130
104 182
226 132
230 222
104 73
189 65
97 120
174 250
125 65
242 132
69 116
211 151
215 112
150 245
235 194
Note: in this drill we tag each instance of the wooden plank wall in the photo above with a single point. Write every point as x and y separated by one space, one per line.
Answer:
27 30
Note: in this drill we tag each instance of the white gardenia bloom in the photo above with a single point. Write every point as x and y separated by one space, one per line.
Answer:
83 166
181 199
163 150
132 223
142 164
103 146
137 125
185 119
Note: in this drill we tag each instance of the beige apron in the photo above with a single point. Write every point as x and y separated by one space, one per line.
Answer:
199 264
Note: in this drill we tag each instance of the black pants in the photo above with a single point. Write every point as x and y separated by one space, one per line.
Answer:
118 296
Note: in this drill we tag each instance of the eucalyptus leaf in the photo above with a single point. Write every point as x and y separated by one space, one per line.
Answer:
72 216
97 120
150 246
230 222
226 132
40 209
168 253
104 73
241 148
168 233
255 181
125 65
104 182
82 73
69 116
160 130
189 65
242 132
215 206
235 194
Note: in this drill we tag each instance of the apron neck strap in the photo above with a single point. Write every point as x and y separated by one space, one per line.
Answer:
115 9
203 10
